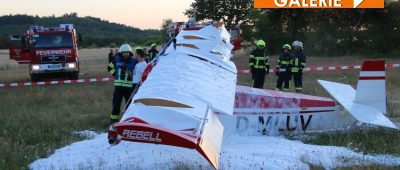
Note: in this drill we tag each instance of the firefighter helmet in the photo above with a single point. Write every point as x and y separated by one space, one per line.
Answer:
125 48
287 46
260 43
297 44
139 51
153 45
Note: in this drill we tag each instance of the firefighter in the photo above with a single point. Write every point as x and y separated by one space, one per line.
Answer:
298 63
111 55
283 69
152 52
259 65
122 69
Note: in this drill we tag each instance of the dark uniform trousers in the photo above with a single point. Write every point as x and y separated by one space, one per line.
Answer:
298 63
119 93
298 81
284 74
283 79
258 76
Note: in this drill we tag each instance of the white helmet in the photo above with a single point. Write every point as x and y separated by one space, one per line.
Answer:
125 48
297 44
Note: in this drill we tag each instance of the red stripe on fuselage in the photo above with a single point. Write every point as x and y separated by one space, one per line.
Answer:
373 78
317 111
275 113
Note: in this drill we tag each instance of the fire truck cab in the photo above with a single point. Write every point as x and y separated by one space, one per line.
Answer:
48 51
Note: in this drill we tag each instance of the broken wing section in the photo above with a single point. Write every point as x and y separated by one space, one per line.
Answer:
345 95
211 139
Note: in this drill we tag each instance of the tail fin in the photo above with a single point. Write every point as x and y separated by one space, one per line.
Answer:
371 87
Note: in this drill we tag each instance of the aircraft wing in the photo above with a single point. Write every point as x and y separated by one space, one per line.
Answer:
176 104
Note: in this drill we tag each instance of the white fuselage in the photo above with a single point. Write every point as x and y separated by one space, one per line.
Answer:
276 123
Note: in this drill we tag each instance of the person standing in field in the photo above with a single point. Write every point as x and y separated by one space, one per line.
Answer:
152 53
259 65
122 69
298 63
110 55
283 69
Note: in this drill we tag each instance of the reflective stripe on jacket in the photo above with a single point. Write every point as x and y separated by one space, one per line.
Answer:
298 62
284 62
258 59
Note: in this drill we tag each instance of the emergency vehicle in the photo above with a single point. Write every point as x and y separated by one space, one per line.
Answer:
48 51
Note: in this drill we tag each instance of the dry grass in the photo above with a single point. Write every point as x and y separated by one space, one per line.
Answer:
34 121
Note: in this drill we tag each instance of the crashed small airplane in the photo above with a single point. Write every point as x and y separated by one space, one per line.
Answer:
191 95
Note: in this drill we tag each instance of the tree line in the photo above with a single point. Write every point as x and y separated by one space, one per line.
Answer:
328 32
95 31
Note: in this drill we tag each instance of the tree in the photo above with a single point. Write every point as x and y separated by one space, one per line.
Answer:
228 11
93 30
164 28
72 15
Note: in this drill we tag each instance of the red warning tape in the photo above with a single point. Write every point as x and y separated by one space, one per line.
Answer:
100 79
58 82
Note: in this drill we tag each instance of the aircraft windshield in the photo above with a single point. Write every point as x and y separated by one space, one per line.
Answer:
52 40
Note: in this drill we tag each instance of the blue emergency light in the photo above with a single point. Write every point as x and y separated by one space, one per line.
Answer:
34 28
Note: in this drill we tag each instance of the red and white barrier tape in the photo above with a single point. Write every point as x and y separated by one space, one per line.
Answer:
100 79
325 68
58 82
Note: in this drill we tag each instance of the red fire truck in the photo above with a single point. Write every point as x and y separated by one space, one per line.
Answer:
48 51
235 32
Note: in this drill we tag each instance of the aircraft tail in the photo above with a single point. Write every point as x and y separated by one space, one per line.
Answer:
368 103
371 87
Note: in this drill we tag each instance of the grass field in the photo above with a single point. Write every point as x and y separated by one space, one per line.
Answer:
34 121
